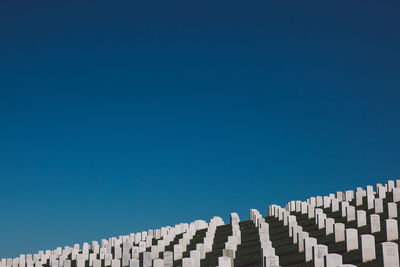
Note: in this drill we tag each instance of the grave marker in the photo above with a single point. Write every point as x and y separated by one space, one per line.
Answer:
351 236
319 252
390 254
368 248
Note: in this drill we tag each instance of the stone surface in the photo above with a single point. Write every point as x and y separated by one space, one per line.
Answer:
319 252
392 210
333 260
391 230
339 232
361 218
308 248
375 223
350 213
390 254
367 248
351 236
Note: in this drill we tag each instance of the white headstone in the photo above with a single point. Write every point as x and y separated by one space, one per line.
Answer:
321 220
361 218
168 259
390 254
107 259
370 201
392 232
319 252
224 262
319 201
375 223
301 236
392 210
327 202
308 245
158 262
333 260
343 206
116 263
147 260
311 211
339 232
329 222
96 263
125 259
367 248
378 203
271 261
351 239
195 257
178 252
390 185
187 262
350 213
335 205
349 194
134 263
359 198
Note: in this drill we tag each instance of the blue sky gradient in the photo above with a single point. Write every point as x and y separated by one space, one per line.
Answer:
123 116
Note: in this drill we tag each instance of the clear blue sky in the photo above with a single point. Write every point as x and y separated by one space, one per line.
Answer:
122 116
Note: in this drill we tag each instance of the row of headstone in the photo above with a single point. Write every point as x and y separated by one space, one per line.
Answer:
229 251
367 242
269 258
122 251
321 258
333 200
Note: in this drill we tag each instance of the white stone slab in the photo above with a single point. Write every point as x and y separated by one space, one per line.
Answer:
370 201
178 252
327 202
349 195
321 220
224 262
375 223
319 252
335 205
333 260
329 223
271 261
368 248
392 232
308 245
378 205
319 201
96 263
390 254
351 236
301 236
187 262
147 260
350 213
390 185
343 206
195 257
311 211
134 263
359 198
168 258
361 218
115 263
392 210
